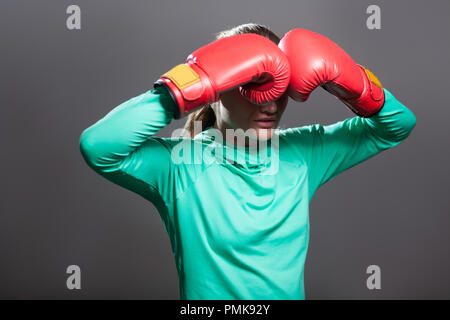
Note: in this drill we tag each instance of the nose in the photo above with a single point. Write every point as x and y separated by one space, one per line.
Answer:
268 108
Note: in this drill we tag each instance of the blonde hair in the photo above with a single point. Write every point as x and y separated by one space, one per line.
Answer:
206 114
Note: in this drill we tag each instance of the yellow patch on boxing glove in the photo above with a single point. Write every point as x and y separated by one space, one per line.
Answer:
372 78
182 76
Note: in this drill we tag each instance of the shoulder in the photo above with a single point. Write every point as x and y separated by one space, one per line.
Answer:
300 134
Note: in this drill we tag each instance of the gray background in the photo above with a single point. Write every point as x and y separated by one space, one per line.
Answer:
391 211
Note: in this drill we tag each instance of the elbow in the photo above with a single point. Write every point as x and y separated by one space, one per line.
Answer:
92 149
409 122
96 151
87 147
399 119
403 129
398 127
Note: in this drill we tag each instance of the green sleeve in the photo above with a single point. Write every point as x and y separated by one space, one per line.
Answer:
121 146
329 150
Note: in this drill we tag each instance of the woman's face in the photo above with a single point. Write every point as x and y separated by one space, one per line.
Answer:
236 112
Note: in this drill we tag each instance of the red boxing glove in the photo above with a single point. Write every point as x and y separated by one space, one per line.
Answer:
248 60
317 61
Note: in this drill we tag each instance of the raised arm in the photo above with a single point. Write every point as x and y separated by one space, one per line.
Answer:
330 150
382 121
121 146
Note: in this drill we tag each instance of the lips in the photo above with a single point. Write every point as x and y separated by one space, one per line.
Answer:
266 122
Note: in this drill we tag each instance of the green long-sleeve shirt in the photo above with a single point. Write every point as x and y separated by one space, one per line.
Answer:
239 228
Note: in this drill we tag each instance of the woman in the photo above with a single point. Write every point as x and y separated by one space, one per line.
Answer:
239 228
